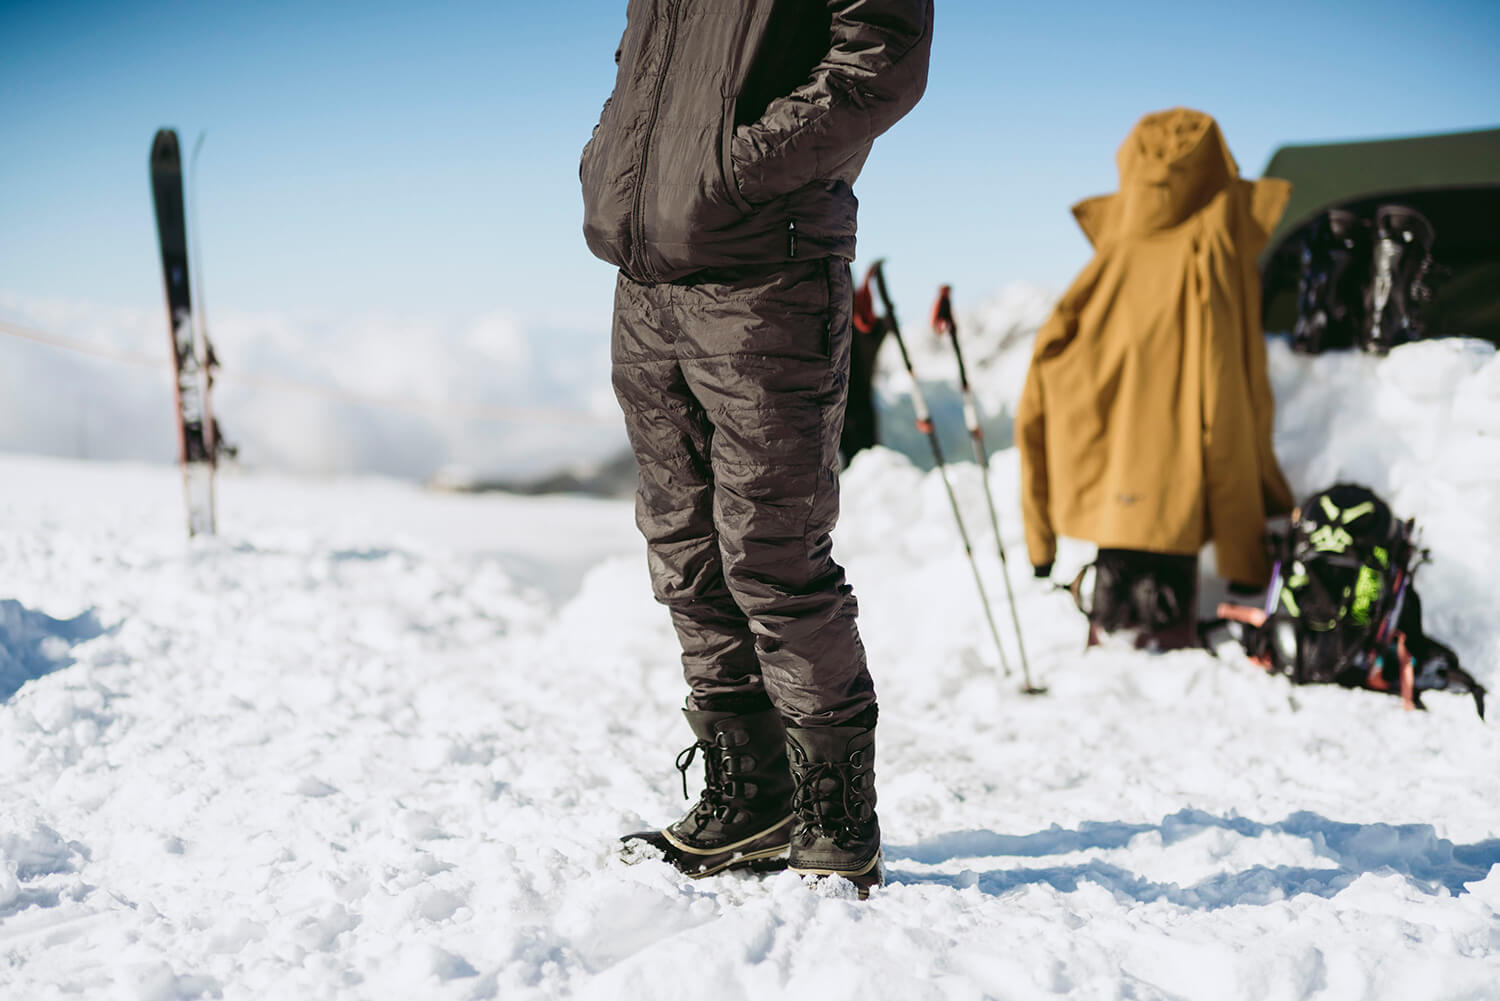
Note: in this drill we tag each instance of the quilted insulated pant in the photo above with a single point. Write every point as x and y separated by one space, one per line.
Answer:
733 384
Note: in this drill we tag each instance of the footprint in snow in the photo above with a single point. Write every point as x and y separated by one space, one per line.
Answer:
314 788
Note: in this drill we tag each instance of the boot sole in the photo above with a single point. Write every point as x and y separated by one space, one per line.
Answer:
747 860
872 874
737 858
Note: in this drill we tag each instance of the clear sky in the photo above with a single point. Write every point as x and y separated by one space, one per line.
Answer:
422 159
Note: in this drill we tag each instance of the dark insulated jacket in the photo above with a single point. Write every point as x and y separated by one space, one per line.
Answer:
736 129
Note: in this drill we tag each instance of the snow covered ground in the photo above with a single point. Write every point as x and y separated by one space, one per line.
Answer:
378 743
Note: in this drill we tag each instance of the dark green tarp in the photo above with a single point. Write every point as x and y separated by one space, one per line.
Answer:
1452 179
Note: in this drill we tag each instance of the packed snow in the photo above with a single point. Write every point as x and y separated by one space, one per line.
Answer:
374 742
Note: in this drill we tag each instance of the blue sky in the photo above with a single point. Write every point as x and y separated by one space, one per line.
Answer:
380 157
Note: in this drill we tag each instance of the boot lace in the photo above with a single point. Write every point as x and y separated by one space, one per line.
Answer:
829 800
718 800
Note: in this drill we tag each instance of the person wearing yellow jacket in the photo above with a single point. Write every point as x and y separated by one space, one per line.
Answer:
1145 423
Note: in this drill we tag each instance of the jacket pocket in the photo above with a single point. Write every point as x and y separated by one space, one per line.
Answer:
589 147
726 165
583 158
606 205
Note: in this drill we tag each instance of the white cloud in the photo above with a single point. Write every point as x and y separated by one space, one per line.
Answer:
315 392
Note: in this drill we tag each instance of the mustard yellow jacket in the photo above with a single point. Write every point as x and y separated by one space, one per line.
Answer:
1146 418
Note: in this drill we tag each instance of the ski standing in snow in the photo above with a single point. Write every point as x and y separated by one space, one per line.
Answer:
193 360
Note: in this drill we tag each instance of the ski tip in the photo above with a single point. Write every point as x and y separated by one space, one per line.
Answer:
1033 689
165 151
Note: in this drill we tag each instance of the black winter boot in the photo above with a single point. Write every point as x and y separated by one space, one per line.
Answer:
1149 597
1334 263
744 813
836 832
1402 279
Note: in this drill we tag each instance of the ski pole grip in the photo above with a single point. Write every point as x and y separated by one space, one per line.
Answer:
942 311
877 273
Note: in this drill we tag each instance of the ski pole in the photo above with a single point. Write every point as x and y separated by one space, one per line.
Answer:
943 323
925 425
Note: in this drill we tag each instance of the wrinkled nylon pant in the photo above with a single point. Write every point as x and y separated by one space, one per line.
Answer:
733 385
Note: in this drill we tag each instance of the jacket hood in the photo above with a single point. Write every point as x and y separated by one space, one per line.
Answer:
1172 165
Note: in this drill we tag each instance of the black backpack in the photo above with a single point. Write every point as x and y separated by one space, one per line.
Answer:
1341 608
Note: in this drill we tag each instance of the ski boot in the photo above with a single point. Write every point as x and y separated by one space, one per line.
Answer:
1148 600
1400 283
744 813
1335 259
836 832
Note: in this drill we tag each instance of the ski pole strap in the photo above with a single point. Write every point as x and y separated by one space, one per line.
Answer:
1408 673
1081 582
1253 617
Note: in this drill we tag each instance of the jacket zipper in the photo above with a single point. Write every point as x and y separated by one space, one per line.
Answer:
791 238
638 224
